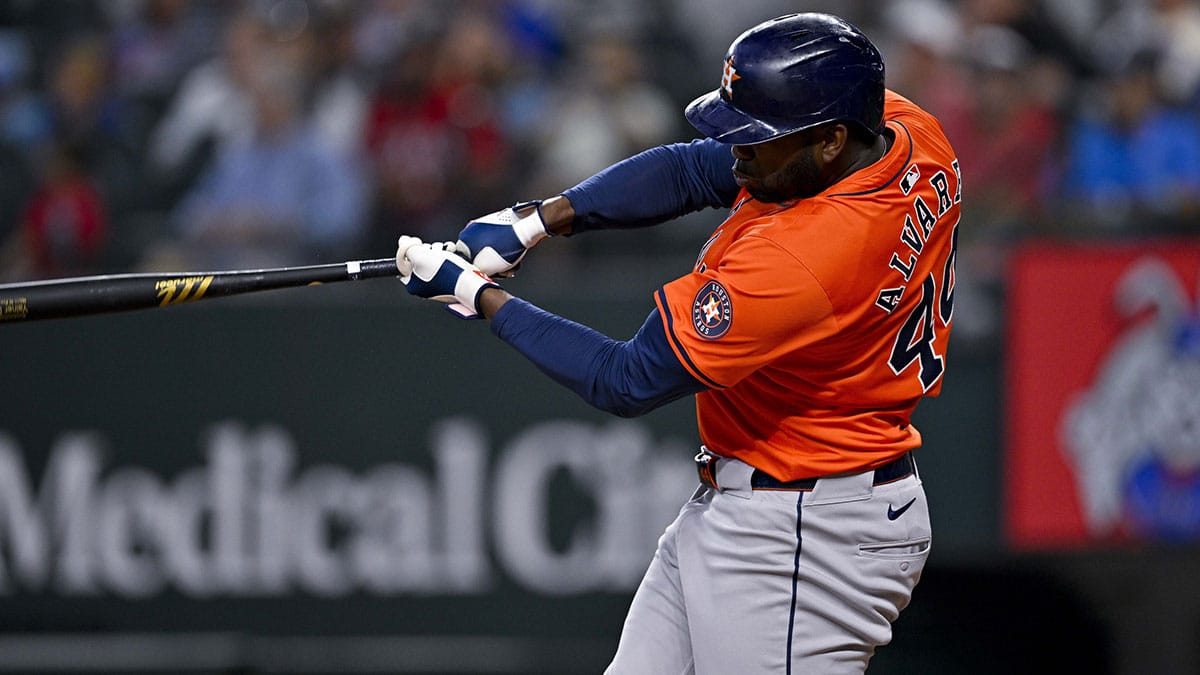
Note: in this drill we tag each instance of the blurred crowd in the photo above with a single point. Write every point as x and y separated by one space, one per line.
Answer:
174 134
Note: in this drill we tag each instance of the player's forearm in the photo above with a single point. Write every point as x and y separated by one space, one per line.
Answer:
655 186
624 378
491 300
558 215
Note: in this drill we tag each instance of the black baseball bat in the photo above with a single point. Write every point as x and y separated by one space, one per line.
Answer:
81 296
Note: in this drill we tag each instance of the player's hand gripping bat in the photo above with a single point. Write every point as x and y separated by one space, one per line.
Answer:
80 296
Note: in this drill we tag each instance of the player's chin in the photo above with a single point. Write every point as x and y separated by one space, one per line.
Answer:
775 193
753 186
762 194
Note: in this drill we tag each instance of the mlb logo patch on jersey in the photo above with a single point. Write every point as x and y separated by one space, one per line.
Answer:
910 179
712 312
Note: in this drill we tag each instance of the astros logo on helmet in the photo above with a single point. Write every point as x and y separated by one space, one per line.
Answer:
728 77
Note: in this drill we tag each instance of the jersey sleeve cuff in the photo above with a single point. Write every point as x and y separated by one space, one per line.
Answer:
660 298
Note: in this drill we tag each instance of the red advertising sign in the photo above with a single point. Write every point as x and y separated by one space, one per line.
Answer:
1103 394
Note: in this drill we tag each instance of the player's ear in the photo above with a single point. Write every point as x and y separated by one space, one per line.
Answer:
833 139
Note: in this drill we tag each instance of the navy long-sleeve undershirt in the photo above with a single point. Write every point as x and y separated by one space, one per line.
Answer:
627 378
655 186
633 377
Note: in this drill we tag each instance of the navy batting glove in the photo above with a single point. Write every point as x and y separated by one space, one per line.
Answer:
438 272
497 242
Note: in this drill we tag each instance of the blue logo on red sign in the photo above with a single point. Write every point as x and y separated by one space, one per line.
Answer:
712 313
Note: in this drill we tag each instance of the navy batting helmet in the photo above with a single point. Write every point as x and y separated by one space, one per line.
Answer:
789 74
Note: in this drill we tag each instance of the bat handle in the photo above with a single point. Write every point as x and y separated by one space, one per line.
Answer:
371 269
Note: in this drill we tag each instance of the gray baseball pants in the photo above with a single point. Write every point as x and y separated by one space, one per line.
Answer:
777 581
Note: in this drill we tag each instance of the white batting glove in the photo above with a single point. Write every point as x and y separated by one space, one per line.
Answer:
437 272
497 242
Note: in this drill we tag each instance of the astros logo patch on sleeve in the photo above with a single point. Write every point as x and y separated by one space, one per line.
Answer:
712 312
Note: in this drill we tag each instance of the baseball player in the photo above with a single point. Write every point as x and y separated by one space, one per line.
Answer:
814 320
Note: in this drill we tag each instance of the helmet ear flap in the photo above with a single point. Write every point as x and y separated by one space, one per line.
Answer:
791 73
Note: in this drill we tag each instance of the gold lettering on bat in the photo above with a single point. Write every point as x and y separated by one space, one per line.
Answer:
184 289
12 309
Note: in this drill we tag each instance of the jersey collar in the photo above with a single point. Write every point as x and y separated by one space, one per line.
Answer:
883 172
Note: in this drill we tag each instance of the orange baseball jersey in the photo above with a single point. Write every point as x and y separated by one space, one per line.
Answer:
819 324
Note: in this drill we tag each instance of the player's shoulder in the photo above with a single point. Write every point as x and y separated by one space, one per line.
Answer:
800 230
922 127
897 108
896 105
